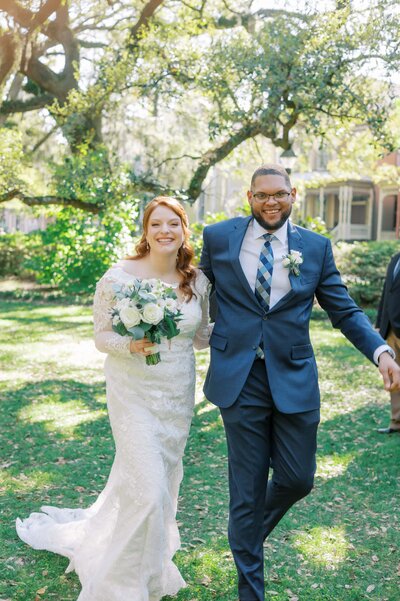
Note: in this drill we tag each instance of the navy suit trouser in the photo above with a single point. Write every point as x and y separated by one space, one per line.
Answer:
259 437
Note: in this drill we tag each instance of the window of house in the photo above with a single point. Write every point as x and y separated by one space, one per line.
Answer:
321 159
359 209
389 213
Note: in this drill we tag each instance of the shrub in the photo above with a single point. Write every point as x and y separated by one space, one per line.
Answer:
196 229
77 248
363 267
14 251
315 224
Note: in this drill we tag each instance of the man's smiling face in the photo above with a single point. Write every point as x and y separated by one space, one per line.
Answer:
271 201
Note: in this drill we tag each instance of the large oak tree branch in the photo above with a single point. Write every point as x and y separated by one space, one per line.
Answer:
10 107
142 23
44 201
27 18
8 54
217 154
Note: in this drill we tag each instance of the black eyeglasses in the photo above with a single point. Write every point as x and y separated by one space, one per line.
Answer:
261 196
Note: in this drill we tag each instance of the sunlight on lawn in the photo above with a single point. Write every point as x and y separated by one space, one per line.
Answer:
80 353
60 416
332 466
207 407
324 546
59 354
24 483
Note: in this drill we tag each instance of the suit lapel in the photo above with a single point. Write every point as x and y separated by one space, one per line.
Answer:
395 281
235 243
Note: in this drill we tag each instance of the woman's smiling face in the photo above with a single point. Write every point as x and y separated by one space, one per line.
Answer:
164 231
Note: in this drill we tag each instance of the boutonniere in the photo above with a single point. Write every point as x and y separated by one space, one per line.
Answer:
292 262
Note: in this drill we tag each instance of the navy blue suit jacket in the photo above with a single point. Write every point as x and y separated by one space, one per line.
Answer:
241 322
389 306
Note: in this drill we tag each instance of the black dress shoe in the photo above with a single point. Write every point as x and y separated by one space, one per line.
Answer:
387 431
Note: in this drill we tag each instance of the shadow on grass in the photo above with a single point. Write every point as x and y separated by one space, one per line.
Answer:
43 315
330 547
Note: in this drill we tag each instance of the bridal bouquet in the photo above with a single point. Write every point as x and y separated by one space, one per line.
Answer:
146 308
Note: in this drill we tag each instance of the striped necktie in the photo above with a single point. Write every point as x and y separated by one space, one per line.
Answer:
264 279
264 272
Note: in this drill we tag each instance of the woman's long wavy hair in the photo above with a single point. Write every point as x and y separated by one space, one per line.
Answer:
185 253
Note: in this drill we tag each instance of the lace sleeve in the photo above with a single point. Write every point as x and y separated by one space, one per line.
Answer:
105 339
203 332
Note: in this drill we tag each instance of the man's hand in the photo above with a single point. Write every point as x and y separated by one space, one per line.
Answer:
390 372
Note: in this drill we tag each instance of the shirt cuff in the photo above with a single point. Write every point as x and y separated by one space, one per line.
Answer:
382 349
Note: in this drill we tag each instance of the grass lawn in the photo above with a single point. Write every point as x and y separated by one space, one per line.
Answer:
340 543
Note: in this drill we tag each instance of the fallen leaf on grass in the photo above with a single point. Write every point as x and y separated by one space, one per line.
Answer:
370 588
205 581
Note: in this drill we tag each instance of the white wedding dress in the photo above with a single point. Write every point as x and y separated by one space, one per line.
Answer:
122 546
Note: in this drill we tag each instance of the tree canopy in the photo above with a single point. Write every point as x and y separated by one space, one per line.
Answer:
111 99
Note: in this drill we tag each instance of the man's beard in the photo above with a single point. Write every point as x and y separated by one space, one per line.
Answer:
272 226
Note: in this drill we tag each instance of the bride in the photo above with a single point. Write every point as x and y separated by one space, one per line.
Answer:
122 546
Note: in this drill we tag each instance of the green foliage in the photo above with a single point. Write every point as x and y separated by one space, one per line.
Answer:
11 157
77 248
316 224
88 176
196 229
363 267
15 249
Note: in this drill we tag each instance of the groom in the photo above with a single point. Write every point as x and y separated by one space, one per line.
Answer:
263 376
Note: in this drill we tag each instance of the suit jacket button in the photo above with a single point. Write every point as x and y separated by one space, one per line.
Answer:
254 348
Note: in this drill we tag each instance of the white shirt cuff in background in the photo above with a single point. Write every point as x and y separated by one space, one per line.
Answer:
382 349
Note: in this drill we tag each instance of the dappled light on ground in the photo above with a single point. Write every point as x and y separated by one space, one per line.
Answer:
62 417
324 546
335 545
332 466
24 482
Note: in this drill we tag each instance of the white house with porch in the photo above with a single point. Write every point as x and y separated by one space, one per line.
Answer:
356 209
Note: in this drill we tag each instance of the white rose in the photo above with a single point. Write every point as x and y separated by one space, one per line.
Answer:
122 304
171 305
130 316
152 313
286 262
161 303
297 256
115 320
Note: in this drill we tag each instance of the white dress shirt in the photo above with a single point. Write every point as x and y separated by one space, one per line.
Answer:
249 256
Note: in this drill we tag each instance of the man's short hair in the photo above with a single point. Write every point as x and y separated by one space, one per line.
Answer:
271 169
